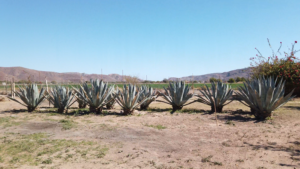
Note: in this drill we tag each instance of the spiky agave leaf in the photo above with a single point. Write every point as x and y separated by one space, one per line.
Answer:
177 95
96 95
147 93
128 98
30 95
80 98
112 99
218 94
263 95
61 98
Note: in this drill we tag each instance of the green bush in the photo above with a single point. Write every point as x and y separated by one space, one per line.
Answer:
287 68
231 80
214 80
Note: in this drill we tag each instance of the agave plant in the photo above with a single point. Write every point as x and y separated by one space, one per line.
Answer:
150 96
111 99
263 96
80 98
30 96
216 96
61 98
128 99
95 96
177 95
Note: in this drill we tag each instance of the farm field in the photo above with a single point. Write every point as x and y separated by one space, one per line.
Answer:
153 85
155 138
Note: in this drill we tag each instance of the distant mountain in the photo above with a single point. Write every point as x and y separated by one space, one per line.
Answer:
224 76
20 73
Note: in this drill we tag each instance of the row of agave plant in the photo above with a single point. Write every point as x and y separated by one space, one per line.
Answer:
262 95
97 96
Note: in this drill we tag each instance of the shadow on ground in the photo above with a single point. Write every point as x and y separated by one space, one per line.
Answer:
293 150
70 112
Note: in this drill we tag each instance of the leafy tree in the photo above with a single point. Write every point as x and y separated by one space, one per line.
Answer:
231 80
214 80
165 81
238 79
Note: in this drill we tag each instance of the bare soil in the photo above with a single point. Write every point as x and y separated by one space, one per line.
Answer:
191 138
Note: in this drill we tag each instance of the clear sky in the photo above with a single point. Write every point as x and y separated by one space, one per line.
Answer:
157 38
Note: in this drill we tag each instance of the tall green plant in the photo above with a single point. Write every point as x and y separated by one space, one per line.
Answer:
177 95
263 96
216 96
61 98
30 96
128 98
95 96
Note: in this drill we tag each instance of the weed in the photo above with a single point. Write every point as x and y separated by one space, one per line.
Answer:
67 124
159 127
217 163
68 156
8 122
230 122
240 160
190 111
225 144
47 161
206 159
101 152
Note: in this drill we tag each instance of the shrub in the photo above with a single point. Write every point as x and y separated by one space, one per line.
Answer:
231 80
238 79
287 68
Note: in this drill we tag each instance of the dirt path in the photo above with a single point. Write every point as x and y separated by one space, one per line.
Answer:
151 139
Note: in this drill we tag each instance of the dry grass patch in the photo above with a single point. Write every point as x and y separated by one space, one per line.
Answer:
9 122
159 127
35 149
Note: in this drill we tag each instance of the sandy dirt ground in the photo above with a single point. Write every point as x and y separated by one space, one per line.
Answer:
190 138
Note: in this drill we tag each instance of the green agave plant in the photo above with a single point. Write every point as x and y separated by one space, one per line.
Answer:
111 99
61 98
177 95
216 96
150 96
30 96
80 98
128 99
263 96
95 96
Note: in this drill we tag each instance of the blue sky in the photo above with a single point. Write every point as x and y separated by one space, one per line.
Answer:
157 38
